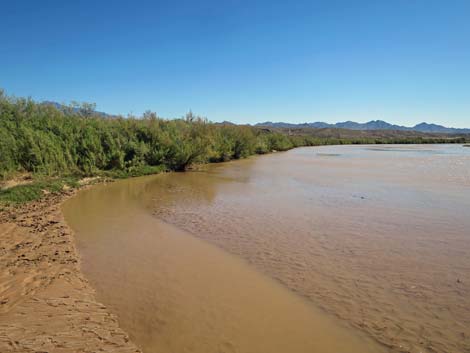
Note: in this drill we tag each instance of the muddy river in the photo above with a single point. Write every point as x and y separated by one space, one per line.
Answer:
323 249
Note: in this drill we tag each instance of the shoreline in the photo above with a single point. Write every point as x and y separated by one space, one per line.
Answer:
46 303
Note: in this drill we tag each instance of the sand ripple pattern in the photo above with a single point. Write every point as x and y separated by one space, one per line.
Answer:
45 303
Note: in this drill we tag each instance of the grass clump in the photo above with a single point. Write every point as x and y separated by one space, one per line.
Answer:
135 172
34 191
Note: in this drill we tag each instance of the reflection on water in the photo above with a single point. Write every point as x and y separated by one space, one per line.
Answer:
377 235
328 154
175 293
409 151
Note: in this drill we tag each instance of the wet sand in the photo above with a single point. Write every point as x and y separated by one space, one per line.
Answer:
175 293
379 236
46 305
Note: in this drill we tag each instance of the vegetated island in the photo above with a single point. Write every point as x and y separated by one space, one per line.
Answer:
47 152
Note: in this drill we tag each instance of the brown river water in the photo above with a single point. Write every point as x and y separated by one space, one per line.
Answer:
323 249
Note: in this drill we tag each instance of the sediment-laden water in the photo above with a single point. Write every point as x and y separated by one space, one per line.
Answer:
377 236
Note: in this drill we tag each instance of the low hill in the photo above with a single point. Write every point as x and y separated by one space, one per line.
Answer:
372 136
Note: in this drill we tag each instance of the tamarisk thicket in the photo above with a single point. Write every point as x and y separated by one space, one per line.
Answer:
49 140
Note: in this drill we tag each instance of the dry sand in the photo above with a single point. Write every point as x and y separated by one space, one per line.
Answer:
46 305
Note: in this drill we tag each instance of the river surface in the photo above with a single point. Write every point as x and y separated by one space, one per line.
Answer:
322 249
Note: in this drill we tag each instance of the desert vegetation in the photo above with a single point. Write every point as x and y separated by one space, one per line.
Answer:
46 140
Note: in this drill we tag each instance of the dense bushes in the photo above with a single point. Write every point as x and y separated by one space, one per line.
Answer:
46 140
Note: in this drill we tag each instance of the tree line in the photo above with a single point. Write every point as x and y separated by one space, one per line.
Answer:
49 140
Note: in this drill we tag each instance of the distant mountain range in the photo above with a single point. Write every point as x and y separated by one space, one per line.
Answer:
371 125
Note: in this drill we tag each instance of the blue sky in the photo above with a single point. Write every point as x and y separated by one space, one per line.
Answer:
245 61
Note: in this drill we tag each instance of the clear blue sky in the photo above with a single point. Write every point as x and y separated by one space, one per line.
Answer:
246 61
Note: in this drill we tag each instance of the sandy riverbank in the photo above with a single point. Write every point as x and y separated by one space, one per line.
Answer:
46 304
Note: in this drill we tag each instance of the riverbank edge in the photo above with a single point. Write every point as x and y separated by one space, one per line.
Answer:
46 303
27 187
42 287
